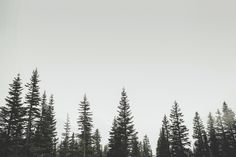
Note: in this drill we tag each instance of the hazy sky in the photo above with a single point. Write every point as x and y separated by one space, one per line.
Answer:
160 51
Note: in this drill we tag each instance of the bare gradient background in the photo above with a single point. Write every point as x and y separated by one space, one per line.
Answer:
161 51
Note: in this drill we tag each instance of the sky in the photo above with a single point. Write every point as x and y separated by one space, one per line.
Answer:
160 51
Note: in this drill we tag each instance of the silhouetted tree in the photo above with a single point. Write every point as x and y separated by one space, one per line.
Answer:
211 132
162 149
179 133
33 112
12 121
97 152
135 151
85 127
73 146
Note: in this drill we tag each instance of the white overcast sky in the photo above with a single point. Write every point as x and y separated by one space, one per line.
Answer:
160 51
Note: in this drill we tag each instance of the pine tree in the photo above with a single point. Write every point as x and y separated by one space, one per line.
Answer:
135 151
85 127
221 136
147 151
163 149
97 152
213 142
12 120
64 146
125 125
179 133
73 146
33 112
105 151
229 124
114 141
198 134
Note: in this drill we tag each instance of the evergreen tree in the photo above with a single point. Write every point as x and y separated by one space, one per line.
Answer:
221 136
147 151
97 152
179 133
12 120
198 134
73 146
163 149
125 125
135 151
114 141
33 112
105 151
213 142
85 127
229 124
64 145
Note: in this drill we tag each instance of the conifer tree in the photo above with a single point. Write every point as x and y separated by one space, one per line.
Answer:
64 145
229 124
105 151
147 151
125 125
135 151
198 134
213 142
97 152
12 120
32 110
179 133
114 141
85 127
73 146
163 149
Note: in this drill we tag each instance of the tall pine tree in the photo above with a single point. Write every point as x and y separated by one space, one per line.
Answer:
97 147
12 120
33 112
179 133
147 151
85 127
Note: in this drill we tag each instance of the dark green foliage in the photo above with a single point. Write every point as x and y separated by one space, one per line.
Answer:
12 121
97 147
85 127
32 110
179 133
147 151
73 146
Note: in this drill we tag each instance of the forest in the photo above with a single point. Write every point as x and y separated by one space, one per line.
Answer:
28 129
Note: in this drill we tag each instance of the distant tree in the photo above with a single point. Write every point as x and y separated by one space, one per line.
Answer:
147 151
135 150
33 112
201 148
12 121
211 132
85 127
179 133
97 151
64 145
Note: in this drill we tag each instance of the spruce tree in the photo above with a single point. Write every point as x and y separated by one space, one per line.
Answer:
114 141
97 152
162 149
64 145
73 146
198 135
32 110
211 132
135 151
125 125
12 120
85 127
179 133
147 151
229 124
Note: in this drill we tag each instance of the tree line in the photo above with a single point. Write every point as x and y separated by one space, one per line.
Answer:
28 129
